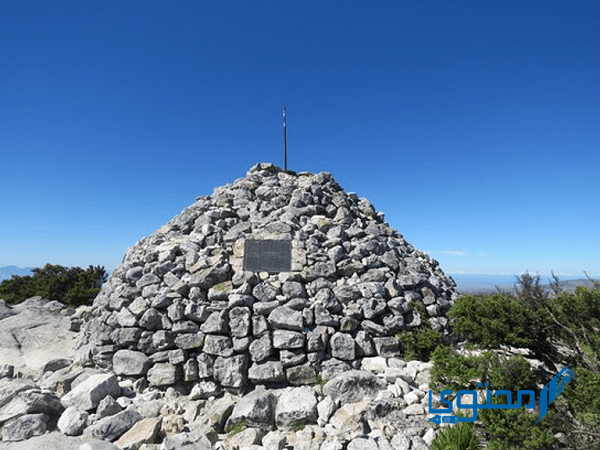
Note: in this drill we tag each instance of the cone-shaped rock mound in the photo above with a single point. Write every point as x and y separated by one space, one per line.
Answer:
276 278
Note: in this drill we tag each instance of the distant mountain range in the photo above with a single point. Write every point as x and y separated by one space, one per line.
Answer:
8 271
474 283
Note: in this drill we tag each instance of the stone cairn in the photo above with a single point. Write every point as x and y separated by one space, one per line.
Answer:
181 310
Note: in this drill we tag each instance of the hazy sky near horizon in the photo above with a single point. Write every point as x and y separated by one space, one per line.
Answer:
474 126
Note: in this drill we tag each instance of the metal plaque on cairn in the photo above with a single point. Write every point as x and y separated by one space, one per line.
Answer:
267 255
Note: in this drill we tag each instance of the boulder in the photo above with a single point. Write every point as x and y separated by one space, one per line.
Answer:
112 427
24 427
72 421
129 362
296 406
86 395
354 386
256 409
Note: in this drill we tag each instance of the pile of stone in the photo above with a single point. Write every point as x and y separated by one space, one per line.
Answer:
382 406
181 309
189 346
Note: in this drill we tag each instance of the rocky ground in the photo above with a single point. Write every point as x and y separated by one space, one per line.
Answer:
48 400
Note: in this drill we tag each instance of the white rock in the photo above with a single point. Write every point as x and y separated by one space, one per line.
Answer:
429 436
414 410
325 409
363 444
375 364
72 421
296 405
403 385
391 374
411 398
274 440
86 395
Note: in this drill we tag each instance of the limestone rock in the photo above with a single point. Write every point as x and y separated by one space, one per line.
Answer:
24 427
163 374
256 409
129 362
72 421
353 386
144 431
231 372
112 427
86 395
32 401
296 406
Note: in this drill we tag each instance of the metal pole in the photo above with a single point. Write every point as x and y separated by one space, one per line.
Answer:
284 140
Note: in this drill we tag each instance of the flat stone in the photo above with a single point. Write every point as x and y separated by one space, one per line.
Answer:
301 375
267 372
217 322
377 364
189 341
296 406
286 318
387 346
24 427
255 409
261 349
239 321
217 345
284 339
163 374
112 427
143 432
354 386
33 401
130 363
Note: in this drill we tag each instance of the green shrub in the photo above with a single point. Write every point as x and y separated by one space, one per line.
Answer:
418 344
73 286
456 372
499 319
583 395
456 437
515 429
576 321
453 371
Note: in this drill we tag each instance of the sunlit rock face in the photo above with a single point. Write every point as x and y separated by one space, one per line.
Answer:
181 309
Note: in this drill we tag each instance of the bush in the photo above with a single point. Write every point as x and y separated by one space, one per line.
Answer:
499 319
515 429
583 395
73 286
458 437
418 344
456 372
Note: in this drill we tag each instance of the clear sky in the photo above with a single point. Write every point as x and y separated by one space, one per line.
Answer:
474 125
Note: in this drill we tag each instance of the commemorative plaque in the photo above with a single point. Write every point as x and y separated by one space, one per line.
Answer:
267 256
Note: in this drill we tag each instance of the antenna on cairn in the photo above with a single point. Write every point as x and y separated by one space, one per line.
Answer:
284 140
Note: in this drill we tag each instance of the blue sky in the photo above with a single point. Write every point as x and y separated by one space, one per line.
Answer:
475 126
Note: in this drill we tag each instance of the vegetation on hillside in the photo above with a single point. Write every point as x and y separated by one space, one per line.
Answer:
74 286
558 330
